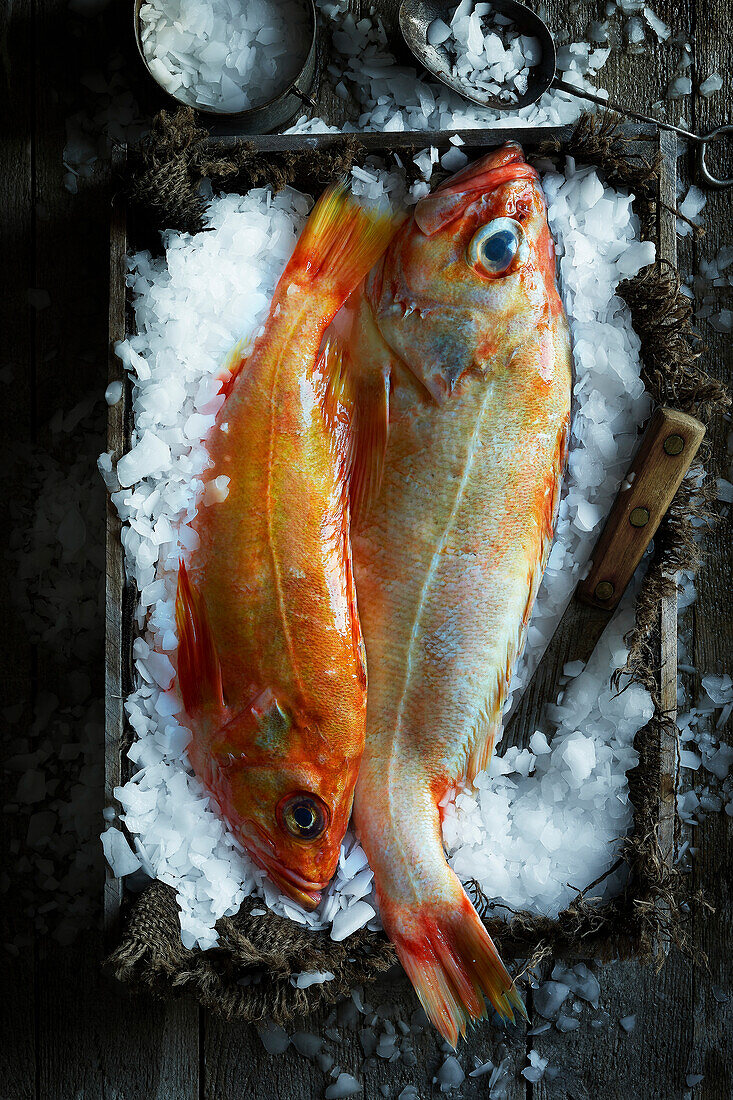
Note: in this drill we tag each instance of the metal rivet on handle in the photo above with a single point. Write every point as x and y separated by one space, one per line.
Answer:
604 590
639 517
674 444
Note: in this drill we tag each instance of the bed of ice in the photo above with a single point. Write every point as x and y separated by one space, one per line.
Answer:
223 55
542 821
485 50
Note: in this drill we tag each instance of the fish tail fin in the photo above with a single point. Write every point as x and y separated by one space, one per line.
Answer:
453 964
199 669
340 243
444 948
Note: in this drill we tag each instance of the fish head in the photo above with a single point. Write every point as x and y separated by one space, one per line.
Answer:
471 275
288 805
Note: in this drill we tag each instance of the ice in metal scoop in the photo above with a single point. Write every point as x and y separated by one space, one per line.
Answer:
415 17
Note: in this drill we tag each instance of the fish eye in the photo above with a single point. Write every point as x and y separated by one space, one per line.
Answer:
494 247
303 816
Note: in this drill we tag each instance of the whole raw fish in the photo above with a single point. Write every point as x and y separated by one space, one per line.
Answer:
462 353
270 659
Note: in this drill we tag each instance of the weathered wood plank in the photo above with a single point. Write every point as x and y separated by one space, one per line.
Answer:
98 1040
94 1038
17 658
668 764
115 572
713 612
237 1063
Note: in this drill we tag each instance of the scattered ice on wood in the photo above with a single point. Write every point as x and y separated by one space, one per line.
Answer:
549 998
661 30
535 1071
450 1075
274 1038
306 1044
120 857
711 85
345 1085
690 207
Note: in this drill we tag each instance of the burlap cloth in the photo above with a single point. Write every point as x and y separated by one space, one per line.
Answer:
248 975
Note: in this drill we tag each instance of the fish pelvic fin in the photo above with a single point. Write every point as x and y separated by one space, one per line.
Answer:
233 366
199 668
453 964
340 243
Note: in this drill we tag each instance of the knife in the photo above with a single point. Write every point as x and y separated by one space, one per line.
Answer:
667 448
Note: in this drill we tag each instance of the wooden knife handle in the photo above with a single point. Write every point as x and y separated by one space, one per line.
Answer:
668 447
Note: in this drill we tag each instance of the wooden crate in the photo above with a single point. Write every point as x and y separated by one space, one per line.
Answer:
120 598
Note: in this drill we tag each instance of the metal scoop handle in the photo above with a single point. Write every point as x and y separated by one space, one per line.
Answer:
701 140
416 17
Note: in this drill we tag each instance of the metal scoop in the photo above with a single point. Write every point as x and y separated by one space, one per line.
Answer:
417 15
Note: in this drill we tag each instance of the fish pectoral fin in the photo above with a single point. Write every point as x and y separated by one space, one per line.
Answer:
199 668
261 728
480 743
370 426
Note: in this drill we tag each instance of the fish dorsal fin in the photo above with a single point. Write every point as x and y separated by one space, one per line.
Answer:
199 668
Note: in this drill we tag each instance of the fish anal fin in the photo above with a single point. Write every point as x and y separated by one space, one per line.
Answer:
481 742
199 668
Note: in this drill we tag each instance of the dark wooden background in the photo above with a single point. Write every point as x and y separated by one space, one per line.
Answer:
69 1032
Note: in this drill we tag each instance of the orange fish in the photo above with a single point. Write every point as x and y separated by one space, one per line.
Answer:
270 659
461 349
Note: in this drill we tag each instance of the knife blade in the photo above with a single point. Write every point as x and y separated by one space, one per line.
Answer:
667 448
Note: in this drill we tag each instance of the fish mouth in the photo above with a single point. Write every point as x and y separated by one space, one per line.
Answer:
481 178
305 893
295 886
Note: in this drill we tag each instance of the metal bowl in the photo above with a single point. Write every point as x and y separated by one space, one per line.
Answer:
263 118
